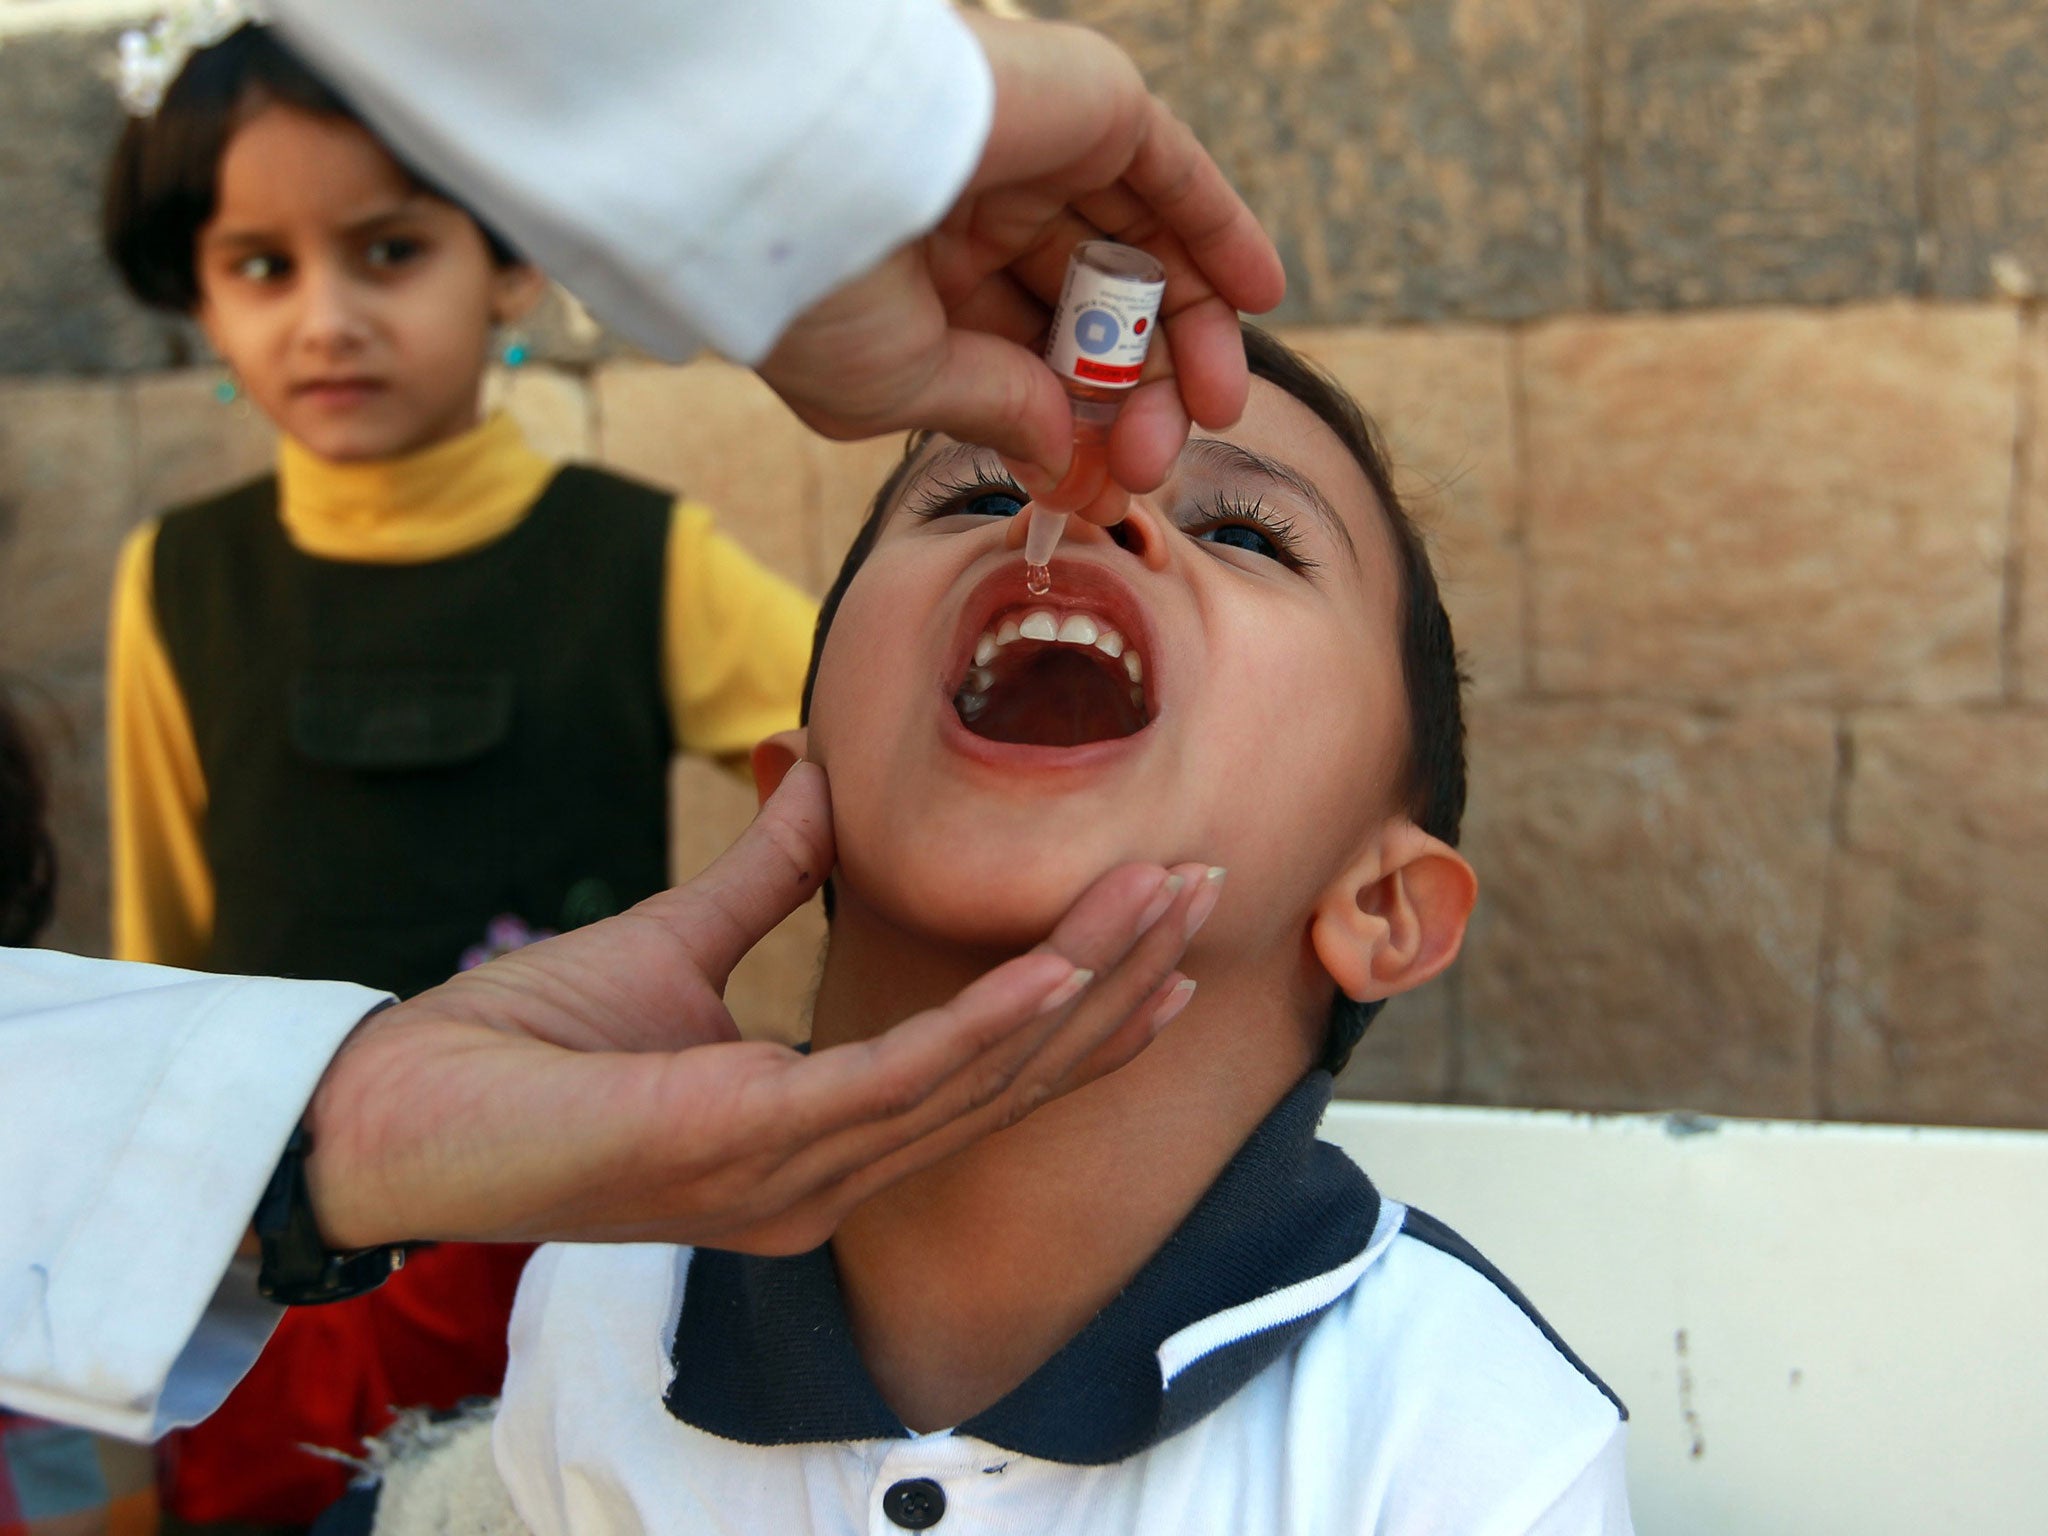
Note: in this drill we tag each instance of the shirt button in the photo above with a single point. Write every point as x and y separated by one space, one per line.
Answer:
916 1503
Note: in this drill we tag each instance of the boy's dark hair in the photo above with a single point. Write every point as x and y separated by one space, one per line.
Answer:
1434 791
163 183
28 856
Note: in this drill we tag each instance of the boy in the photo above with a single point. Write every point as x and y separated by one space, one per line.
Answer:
1158 1304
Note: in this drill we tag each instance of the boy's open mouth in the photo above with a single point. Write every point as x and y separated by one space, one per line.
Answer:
1043 677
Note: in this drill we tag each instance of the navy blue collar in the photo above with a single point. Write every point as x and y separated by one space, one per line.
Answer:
764 1354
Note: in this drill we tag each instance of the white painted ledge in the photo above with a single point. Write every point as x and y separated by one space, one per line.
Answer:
1818 1328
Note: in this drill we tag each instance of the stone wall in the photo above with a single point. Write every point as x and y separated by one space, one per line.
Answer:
1417 160
1704 335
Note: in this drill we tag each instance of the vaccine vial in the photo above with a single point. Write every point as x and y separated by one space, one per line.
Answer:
1108 312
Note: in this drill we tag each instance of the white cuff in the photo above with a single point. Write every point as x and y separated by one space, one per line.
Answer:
142 1111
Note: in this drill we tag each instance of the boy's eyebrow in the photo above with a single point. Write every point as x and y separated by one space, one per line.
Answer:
1231 458
964 456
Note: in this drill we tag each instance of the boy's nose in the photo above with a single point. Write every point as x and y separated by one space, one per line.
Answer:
1143 533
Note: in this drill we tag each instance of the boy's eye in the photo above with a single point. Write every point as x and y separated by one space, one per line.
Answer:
1242 536
974 498
994 504
1256 529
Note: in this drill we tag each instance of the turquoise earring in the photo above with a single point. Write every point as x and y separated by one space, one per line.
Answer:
516 351
227 391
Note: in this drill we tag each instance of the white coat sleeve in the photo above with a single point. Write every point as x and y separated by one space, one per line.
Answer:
693 170
142 1110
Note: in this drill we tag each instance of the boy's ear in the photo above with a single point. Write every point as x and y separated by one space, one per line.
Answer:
515 290
1395 917
774 757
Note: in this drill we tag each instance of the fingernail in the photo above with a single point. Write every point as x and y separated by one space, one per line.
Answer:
1034 481
801 766
1161 900
1067 991
1206 898
1170 1007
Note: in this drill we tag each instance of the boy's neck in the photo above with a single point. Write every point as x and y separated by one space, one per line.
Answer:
964 1278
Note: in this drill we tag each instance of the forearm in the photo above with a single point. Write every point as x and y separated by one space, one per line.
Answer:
693 172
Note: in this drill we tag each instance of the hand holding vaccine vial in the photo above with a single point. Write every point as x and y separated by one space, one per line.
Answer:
1109 309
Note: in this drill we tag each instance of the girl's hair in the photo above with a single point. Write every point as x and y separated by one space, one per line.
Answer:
164 180
28 856
1434 788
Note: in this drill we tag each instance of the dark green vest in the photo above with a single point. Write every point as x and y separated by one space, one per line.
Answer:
396 754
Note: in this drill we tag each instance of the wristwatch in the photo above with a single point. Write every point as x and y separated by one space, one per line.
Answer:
299 1270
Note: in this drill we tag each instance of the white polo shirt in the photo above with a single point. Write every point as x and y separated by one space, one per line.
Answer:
1302 1356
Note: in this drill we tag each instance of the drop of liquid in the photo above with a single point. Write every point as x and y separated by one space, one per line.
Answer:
1037 580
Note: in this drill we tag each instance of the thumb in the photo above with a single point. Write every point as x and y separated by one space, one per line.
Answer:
774 867
999 395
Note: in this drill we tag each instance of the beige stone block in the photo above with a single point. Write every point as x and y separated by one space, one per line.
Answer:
61 308
1757 151
1406 1054
551 407
66 493
1937 1003
1442 398
1649 924
2030 654
1771 505
190 445
1418 161
716 432
1990 146
770 991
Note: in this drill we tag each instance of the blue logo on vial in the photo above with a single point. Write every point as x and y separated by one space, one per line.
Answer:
1096 331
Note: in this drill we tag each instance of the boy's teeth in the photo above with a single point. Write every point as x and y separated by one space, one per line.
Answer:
1039 625
1042 624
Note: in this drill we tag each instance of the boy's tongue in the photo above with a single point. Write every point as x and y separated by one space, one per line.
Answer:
1057 697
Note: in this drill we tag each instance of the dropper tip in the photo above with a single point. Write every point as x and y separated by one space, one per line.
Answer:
1042 537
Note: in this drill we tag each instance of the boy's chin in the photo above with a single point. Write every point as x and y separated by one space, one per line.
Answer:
1000 910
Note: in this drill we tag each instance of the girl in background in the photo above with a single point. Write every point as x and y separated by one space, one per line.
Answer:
413 694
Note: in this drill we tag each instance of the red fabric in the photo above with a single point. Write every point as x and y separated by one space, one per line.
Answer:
430 1336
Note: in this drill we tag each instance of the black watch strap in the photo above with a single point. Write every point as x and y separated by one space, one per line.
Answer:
299 1270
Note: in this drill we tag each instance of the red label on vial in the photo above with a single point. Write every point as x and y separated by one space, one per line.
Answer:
1103 373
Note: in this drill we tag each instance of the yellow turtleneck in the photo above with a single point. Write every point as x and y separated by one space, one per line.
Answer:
735 637
441 501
